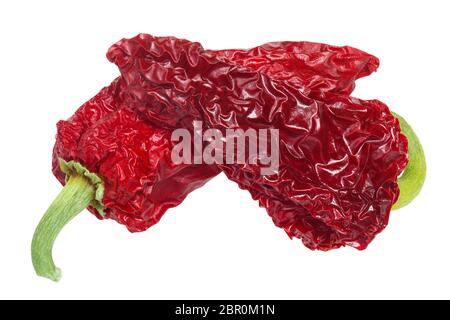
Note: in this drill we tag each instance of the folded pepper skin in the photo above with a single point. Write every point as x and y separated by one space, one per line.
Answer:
141 183
312 66
340 157
132 158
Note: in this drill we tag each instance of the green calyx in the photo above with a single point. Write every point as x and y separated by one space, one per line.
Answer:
413 178
73 168
82 189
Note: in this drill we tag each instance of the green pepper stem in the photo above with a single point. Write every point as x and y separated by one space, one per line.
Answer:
413 178
76 195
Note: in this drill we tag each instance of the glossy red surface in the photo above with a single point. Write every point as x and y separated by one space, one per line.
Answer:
340 156
311 66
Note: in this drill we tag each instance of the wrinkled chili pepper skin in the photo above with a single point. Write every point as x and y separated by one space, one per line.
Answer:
132 157
316 67
69 132
340 157
135 196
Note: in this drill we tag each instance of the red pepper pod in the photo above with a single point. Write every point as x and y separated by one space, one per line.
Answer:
339 158
117 165
114 155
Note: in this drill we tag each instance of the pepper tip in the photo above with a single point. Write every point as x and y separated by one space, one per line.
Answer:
54 275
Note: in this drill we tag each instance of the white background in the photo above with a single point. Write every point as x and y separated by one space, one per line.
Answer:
218 243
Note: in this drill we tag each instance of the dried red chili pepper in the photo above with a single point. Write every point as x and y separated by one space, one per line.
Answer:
114 162
104 133
340 156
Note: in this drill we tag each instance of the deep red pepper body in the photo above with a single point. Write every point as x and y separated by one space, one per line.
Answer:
340 157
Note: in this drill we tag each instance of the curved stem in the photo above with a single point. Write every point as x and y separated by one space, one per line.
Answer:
413 178
76 195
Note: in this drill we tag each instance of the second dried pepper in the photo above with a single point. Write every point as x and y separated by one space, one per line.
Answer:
340 157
